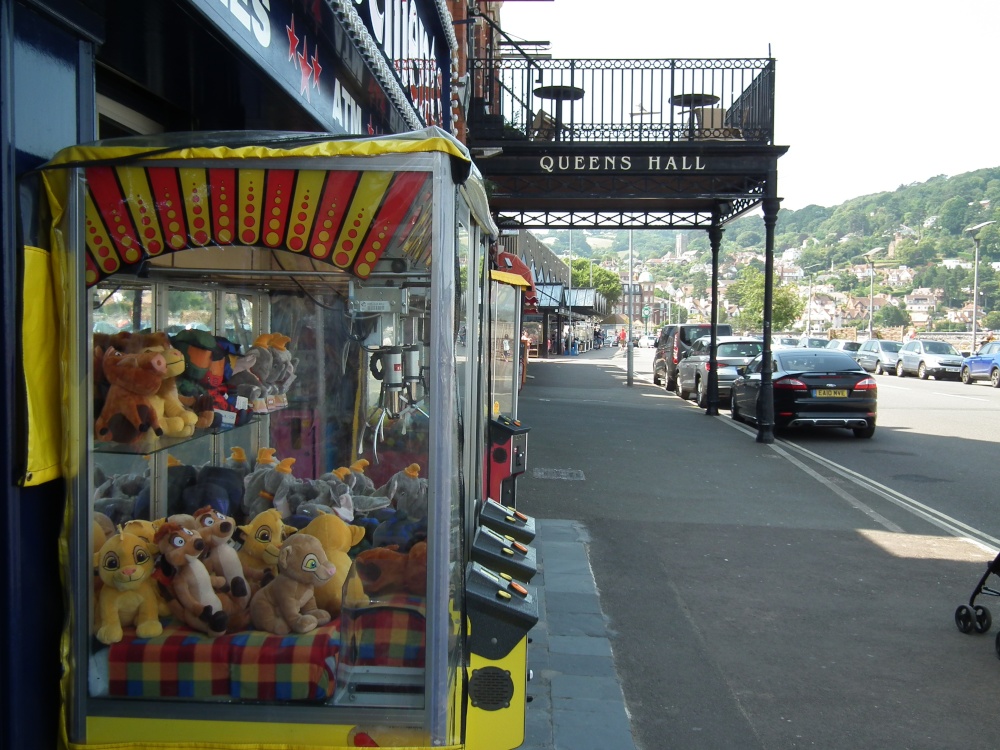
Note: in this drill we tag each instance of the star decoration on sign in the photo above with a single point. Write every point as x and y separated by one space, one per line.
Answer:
316 67
306 70
293 40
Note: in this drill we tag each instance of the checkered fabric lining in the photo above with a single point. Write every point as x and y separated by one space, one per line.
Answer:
254 665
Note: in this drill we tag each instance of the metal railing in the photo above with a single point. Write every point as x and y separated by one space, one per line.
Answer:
656 101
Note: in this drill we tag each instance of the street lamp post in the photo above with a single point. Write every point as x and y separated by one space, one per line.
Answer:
809 304
975 279
871 289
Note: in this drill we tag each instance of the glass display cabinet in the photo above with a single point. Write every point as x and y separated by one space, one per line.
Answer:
276 351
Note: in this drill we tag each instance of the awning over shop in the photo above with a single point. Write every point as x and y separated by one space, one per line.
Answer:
510 264
551 297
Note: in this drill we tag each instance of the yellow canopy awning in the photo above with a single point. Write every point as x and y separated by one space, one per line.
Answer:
506 277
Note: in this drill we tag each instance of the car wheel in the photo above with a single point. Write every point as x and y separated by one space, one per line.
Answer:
702 394
681 391
657 380
864 432
899 369
967 377
669 384
922 371
995 377
734 411
879 370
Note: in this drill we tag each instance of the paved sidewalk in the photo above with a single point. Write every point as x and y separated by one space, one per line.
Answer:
576 700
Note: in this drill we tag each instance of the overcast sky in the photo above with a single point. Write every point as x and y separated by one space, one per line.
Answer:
869 95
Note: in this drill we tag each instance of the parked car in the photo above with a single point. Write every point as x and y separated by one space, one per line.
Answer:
784 342
731 352
812 388
663 342
983 365
673 343
812 342
844 345
648 341
926 358
879 356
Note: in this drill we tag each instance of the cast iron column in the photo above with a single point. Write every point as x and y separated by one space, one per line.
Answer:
765 403
715 237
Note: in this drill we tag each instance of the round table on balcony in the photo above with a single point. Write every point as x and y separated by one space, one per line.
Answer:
560 93
692 101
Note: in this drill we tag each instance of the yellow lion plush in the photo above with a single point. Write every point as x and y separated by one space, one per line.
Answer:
128 596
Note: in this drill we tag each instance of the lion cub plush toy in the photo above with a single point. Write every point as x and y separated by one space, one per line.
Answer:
128 596
288 603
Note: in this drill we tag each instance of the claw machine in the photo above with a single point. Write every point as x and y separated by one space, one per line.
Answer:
274 390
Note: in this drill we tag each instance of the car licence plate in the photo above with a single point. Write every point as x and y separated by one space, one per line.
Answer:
830 393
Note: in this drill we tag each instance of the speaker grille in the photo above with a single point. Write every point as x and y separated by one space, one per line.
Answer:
491 688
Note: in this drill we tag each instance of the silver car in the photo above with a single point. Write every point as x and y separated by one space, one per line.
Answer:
879 356
731 352
925 359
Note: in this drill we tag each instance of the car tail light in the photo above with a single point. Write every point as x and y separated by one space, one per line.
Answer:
790 384
675 353
708 367
868 384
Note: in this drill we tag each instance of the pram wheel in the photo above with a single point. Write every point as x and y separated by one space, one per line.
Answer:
983 619
965 618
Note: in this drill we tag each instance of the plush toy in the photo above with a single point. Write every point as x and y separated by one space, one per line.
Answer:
118 496
269 487
337 539
265 457
407 492
255 379
354 477
385 570
241 381
197 348
128 416
284 368
400 530
185 582
217 486
175 418
288 603
259 543
128 596
237 461
221 559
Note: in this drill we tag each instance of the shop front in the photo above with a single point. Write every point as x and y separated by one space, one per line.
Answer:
80 71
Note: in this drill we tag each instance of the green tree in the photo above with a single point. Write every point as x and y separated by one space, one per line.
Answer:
747 293
991 321
605 282
889 316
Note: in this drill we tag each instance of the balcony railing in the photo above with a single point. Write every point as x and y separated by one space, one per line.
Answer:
633 101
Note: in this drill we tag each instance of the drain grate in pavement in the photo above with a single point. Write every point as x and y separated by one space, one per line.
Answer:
571 475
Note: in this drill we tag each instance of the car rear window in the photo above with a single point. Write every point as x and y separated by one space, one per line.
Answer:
832 362
939 347
891 346
740 349
688 335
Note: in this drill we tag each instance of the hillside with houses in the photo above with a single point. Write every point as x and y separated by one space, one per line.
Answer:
922 271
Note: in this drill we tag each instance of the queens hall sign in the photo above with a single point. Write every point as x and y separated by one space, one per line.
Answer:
621 163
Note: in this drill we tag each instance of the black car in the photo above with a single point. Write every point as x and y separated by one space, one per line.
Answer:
813 388
674 343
